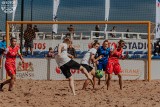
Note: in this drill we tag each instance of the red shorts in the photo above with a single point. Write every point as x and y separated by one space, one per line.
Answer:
113 66
10 68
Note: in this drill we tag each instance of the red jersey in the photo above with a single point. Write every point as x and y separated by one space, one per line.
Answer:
11 54
117 53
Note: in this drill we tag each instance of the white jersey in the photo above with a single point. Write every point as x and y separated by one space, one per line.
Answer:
86 58
63 58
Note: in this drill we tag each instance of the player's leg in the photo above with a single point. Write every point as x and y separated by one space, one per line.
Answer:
12 82
66 72
109 70
86 74
108 80
120 80
104 69
2 84
99 67
10 70
106 77
86 83
91 72
71 84
117 71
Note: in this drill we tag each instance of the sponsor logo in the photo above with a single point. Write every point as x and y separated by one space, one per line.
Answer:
73 71
25 70
27 66
8 6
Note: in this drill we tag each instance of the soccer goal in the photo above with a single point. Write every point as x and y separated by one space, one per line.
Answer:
138 43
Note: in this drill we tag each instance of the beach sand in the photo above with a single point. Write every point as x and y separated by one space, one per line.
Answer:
31 93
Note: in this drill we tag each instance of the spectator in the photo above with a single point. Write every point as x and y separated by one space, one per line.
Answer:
157 48
71 51
29 35
113 30
97 29
50 53
71 31
3 44
127 35
35 28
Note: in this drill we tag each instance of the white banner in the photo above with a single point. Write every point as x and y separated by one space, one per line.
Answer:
43 69
35 69
157 18
107 9
131 70
15 3
55 9
82 45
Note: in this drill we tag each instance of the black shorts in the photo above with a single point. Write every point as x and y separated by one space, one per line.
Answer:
88 68
69 65
28 44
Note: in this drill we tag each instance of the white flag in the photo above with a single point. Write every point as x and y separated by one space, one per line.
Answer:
157 18
107 9
55 9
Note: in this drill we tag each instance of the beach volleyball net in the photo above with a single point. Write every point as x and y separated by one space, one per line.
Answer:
137 66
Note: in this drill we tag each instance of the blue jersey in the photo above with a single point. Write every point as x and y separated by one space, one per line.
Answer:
3 45
105 53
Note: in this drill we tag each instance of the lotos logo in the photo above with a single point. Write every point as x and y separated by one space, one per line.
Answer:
58 70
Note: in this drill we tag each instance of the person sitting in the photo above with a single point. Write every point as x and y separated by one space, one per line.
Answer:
71 31
157 49
35 28
50 53
113 30
97 29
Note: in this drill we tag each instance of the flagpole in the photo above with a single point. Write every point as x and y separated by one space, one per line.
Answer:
31 9
21 37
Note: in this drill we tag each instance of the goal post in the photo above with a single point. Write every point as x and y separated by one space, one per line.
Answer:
147 23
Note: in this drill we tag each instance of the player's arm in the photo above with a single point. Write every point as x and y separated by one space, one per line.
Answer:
124 56
93 59
1 59
60 49
70 56
2 56
20 56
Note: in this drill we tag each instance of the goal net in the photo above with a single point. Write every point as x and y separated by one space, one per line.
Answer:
136 67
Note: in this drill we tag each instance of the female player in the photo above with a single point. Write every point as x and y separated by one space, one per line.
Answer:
103 50
65 63
10 64
113 62
87 59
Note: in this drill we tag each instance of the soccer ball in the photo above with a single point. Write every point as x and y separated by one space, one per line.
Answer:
99 74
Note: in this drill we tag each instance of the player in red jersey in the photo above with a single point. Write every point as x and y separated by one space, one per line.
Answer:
113 62
10 64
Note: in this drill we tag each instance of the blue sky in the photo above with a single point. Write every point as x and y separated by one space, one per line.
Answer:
85 10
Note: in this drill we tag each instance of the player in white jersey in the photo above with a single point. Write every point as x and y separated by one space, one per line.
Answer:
65 63
89 58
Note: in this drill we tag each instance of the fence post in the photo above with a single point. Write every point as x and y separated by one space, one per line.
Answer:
48 68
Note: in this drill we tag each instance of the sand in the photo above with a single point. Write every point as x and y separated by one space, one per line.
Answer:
31 93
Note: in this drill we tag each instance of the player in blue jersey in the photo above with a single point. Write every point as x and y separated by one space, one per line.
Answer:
103 50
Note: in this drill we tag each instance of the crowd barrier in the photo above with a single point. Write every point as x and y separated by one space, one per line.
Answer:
46 69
